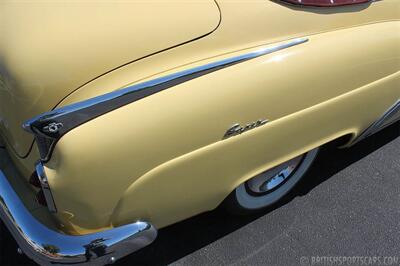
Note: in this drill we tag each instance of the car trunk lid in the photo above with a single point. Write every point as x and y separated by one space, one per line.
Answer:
49 49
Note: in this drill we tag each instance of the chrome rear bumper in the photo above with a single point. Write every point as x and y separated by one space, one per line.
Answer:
48 247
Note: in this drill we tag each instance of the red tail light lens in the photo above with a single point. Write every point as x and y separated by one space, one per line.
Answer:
326 3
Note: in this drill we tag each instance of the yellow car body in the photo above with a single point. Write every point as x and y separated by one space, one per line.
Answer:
164 158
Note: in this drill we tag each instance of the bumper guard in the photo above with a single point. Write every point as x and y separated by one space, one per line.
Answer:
47 247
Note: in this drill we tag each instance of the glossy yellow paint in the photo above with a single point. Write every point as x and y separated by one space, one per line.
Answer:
163 159
164 156
50 48
245 24
199 181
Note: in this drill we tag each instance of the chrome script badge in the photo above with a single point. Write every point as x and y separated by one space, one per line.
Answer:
237 129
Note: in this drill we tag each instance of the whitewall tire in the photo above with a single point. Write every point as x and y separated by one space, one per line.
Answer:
270 186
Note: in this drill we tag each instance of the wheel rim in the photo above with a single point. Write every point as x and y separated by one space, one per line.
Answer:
272 179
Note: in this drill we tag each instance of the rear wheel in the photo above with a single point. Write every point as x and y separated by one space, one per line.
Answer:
270 186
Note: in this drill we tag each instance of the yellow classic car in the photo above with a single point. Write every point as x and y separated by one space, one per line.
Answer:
118 118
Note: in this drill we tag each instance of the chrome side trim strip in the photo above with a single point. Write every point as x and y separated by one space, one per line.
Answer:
49 127
391 116
47 247
45 187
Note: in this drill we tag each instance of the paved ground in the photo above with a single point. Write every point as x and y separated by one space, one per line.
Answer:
348 205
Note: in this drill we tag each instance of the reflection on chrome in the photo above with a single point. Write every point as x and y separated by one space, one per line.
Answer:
45 187
48 247
273 178
391 116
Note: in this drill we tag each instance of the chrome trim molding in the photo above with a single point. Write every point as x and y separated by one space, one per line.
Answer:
47 247
391 116
45 187
49 127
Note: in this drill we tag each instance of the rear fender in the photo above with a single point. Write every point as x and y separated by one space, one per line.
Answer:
164 158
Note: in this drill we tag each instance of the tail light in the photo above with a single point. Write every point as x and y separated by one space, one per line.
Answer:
326 3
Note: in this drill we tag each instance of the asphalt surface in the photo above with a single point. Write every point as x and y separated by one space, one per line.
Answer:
347 205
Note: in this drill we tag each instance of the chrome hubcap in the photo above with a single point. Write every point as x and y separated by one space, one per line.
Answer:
271 179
